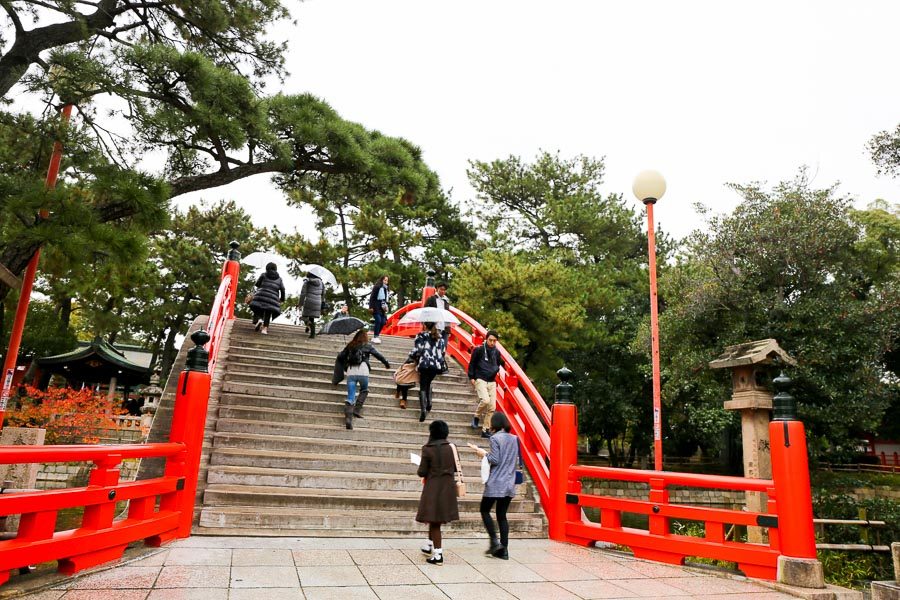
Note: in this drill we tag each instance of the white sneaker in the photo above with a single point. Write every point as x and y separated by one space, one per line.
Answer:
265 331
376 340
427 548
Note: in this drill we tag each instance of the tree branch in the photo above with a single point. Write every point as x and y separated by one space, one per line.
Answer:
193 183
28 45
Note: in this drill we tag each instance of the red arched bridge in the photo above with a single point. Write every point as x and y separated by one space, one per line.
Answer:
161 509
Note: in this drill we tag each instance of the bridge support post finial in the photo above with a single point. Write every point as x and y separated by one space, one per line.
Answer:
797 564
428 290
563 454
188 426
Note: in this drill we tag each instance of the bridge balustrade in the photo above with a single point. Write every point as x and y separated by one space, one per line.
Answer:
159 509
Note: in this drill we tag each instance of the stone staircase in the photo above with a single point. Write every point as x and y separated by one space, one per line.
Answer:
282 463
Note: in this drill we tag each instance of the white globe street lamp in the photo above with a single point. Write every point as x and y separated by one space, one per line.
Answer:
649 186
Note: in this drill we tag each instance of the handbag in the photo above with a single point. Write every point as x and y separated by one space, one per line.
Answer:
485 469
460 484
406 374
520 477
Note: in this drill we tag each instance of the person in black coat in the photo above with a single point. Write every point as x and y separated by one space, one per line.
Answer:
378 306
266 302
311 296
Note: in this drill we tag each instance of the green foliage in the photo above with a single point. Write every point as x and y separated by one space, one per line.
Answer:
799 265
561 274
44 335
390 219
884 148
849 568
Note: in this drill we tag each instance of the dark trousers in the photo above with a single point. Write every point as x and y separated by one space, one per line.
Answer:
380 320
265 315
425 379
502 507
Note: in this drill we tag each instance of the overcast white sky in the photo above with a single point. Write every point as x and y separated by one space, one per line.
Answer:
704 92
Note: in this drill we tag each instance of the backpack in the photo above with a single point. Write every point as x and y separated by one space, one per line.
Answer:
355 357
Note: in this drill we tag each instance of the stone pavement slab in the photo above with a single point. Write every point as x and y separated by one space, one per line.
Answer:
246 568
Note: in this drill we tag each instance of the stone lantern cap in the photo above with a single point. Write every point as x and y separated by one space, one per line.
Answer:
764 352
750 378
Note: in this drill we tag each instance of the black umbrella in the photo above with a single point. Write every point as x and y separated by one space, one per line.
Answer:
343 325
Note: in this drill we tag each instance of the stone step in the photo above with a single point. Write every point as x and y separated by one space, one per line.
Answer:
376 405
381 382
282 463
400 425
336 480
262 366
264 396
305 522
319 461
343 446
338 394
362 430
262 497
321 344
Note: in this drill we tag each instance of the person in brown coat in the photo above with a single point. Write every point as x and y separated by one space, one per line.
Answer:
438 503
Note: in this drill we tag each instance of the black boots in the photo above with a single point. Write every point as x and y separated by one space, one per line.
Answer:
348 416
495 546
360 401
422 402
312 328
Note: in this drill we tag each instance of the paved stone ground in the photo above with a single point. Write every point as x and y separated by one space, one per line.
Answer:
242 568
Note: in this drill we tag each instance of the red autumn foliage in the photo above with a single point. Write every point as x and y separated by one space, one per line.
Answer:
69 416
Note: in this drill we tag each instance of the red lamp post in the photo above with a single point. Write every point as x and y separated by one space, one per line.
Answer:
15 335
649 187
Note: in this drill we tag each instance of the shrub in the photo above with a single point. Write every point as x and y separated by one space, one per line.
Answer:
69 416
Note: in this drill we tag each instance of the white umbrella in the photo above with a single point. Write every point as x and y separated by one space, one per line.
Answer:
292 284
322 273
429 314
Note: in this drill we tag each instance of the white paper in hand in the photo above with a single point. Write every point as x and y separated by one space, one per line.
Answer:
415 458
485 469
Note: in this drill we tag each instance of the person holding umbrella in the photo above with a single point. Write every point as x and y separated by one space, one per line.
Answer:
266 302
355 361
428 354
311 297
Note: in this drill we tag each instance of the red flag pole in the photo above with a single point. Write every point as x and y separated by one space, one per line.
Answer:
15 334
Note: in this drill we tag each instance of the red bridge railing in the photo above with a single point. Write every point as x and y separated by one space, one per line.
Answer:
159 509
551 459
516 395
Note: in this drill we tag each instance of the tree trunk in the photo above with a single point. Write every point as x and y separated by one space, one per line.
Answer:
65 313
169 352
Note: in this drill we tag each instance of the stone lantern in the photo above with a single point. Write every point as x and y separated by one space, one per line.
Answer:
151 394
750 365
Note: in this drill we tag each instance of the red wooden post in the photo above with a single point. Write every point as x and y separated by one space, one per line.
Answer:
563 454
232 267
188 426
428 291
790 474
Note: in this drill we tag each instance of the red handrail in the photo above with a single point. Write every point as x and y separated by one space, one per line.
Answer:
713 482
219 317
516 395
